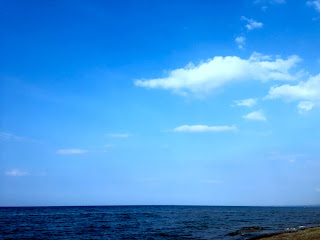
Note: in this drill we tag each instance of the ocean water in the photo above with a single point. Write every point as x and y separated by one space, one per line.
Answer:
152 222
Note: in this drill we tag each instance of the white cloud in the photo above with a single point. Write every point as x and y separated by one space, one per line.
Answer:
252 24
305 106
204 128
71 151
257 116
219 71
305 90
315 4
16 173
246 102
240 41
308 92
118 135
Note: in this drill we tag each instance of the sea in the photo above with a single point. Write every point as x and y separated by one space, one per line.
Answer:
152 222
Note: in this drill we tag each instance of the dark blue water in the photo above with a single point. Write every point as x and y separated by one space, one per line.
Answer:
151 222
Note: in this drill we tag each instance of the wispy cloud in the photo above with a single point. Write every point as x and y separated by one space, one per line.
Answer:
219 71
118 135
256 116
246 102
16 173
315 4
252 24
12 137
203 128
240 41
6 136
305 106
71 151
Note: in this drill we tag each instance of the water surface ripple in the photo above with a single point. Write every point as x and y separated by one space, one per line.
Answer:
151 222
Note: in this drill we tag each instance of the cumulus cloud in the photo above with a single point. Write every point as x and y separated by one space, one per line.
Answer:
315 4
240 41
252 24
71 151
16 173
219 71
257 116
307 92
118 135
203 128
246 102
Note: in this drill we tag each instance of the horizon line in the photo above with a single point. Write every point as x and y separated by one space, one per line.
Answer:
160 205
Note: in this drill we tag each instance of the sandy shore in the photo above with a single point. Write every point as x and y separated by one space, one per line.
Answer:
305 234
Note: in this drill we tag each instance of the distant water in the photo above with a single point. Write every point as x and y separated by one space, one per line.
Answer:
151 222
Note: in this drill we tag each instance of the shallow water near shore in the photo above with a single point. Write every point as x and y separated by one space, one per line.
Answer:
152 222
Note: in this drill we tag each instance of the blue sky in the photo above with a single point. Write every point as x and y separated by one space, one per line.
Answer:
160 102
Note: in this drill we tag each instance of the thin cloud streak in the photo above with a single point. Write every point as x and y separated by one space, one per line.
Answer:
118 135
203 128
16 173
6 136
71 151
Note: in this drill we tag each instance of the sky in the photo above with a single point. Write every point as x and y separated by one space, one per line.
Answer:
160 102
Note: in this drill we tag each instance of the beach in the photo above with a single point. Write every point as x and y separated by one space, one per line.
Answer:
305 234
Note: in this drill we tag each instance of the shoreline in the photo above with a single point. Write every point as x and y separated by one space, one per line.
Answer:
309 233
